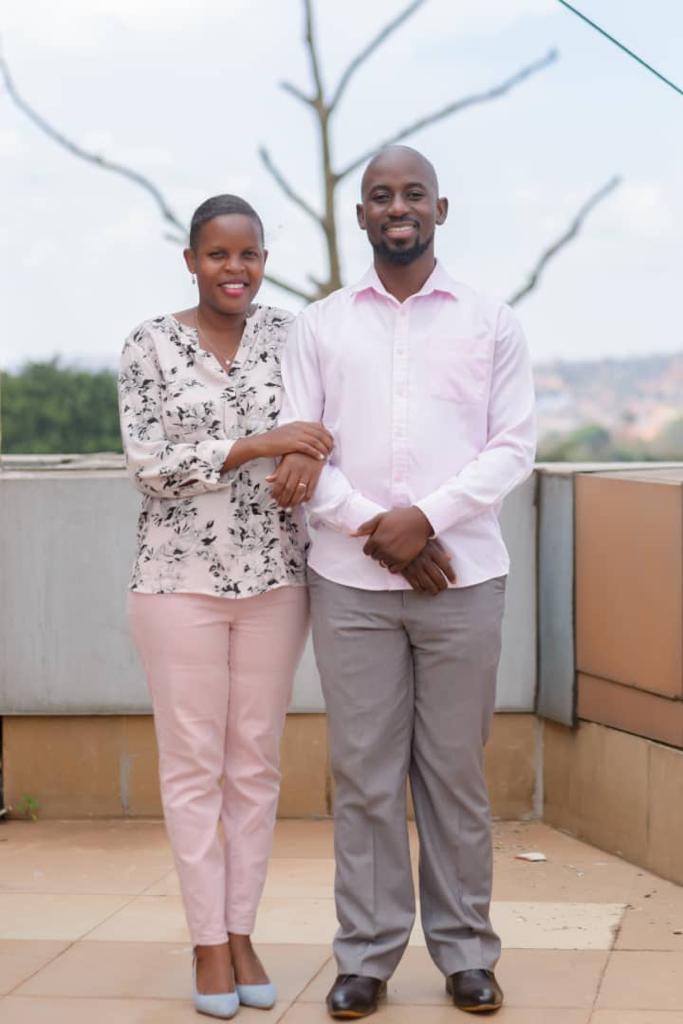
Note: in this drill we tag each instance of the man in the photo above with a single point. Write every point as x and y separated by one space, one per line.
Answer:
427 390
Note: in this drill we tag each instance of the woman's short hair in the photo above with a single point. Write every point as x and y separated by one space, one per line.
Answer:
220 206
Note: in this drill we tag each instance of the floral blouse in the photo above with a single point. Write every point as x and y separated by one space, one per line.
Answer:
202 530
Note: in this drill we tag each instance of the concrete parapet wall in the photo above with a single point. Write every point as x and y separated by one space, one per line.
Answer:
620 792
66 548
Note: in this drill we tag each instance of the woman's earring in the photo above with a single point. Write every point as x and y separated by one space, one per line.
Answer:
193 279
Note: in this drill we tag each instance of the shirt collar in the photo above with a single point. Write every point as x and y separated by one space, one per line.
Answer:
438 281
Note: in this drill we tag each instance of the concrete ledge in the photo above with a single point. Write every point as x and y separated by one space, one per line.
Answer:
106 766
621 792
631 710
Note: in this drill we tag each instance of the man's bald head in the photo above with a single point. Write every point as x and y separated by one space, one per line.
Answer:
400 158
400 206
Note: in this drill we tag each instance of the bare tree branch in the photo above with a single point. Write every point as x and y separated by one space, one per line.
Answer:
297 93
455 108
328 221
563 240
291 288
368 50
286 187
99 161
313 52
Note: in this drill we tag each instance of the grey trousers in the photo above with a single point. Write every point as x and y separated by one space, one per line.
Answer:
409 682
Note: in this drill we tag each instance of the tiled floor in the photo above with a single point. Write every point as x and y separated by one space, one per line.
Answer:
91 929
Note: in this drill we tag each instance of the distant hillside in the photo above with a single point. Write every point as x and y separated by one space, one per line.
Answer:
637 401
609 409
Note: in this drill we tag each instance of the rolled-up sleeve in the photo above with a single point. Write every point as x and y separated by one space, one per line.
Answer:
336 503
508 456
160 467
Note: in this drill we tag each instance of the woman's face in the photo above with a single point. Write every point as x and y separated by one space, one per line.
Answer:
229 261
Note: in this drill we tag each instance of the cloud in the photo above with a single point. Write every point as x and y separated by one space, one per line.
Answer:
103 142
73 24
11 145
644 209
42 252
488 15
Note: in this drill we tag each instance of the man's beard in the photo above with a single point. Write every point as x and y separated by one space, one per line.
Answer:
401 257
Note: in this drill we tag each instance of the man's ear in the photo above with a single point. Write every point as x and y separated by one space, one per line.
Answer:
441 210
360 216
265 256
190 260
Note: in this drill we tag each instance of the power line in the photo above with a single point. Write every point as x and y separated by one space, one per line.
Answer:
621 46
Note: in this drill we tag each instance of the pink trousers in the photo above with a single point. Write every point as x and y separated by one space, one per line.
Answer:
220 673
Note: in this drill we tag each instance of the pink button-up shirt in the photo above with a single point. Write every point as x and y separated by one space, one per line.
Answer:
430 403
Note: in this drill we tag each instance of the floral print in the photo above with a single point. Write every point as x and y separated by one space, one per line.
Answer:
202 530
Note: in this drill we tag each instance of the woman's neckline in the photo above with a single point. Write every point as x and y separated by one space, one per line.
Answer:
256 308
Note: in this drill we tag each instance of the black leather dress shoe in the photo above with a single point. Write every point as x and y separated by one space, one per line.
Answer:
353 995
475 991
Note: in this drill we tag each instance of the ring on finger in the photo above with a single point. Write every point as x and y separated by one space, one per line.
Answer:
301 484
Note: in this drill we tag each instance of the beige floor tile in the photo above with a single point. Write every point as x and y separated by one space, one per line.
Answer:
293 836
20 959
44 1010
125 970
654 917
47 916
150 970
636 1017
290 877
82 857
391 1013
548 925
643 981
166 886
519 836
602 881
145 919
296 920
529 978
561 979
599 881
541 925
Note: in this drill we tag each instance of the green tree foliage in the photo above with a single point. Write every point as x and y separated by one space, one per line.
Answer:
593 443
48 408
669 444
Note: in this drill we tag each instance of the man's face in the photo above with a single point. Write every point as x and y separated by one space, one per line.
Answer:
400 207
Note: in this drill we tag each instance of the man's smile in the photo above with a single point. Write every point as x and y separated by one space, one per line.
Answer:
400 229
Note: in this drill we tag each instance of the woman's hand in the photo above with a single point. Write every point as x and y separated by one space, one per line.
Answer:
311 439
295 479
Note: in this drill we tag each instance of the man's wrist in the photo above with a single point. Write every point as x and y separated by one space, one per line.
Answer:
428 528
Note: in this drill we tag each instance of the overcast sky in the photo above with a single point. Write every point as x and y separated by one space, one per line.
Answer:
186 91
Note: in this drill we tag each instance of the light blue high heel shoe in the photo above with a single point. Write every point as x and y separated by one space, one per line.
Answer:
260 997
215 1004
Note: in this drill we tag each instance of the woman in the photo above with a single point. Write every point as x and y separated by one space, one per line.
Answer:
218 606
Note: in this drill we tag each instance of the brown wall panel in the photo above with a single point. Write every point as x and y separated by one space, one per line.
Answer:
629 579
624 707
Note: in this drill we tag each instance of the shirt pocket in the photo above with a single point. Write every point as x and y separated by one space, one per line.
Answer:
458 369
